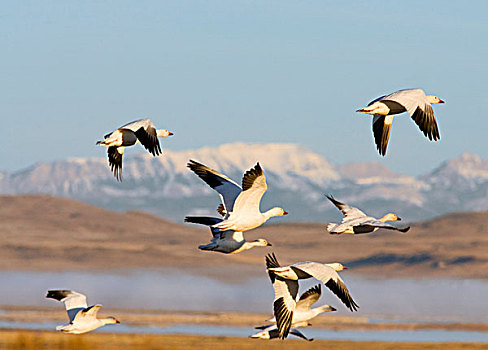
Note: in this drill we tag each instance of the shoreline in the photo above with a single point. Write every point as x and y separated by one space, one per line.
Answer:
167 318
228 276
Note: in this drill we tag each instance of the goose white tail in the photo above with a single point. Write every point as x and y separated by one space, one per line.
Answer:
330 227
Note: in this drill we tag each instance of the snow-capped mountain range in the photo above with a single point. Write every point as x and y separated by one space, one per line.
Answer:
297 180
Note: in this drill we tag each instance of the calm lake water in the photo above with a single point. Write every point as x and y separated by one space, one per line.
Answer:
382 300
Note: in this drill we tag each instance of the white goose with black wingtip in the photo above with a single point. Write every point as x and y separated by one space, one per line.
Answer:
302 314
140 131
413 101
285 284
303 310
82 319
227 242
240 205
356 222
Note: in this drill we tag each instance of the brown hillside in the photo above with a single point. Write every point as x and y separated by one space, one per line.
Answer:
48 233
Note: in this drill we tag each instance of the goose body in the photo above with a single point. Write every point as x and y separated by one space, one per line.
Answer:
140 131
240 204
227 242
413 101
285 284
82 319
356 222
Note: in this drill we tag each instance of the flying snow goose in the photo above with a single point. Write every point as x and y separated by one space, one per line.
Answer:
240 205
413 101
303 310
82 318
285 284
271 332
303 313
356 222
140 131
227 242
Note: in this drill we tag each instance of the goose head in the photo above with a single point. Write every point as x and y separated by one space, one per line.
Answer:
260 335
433 100
276 211
262 243
390 217
110 320
337 266
163 133
326 308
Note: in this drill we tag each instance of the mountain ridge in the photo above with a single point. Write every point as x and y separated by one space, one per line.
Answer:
297 180
46 233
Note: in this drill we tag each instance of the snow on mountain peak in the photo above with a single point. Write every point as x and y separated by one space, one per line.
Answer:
297 180
280 159
467 165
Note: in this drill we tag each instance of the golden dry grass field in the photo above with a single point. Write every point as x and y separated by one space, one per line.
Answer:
30 340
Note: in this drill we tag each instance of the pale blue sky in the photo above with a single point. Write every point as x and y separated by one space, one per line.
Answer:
255 71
